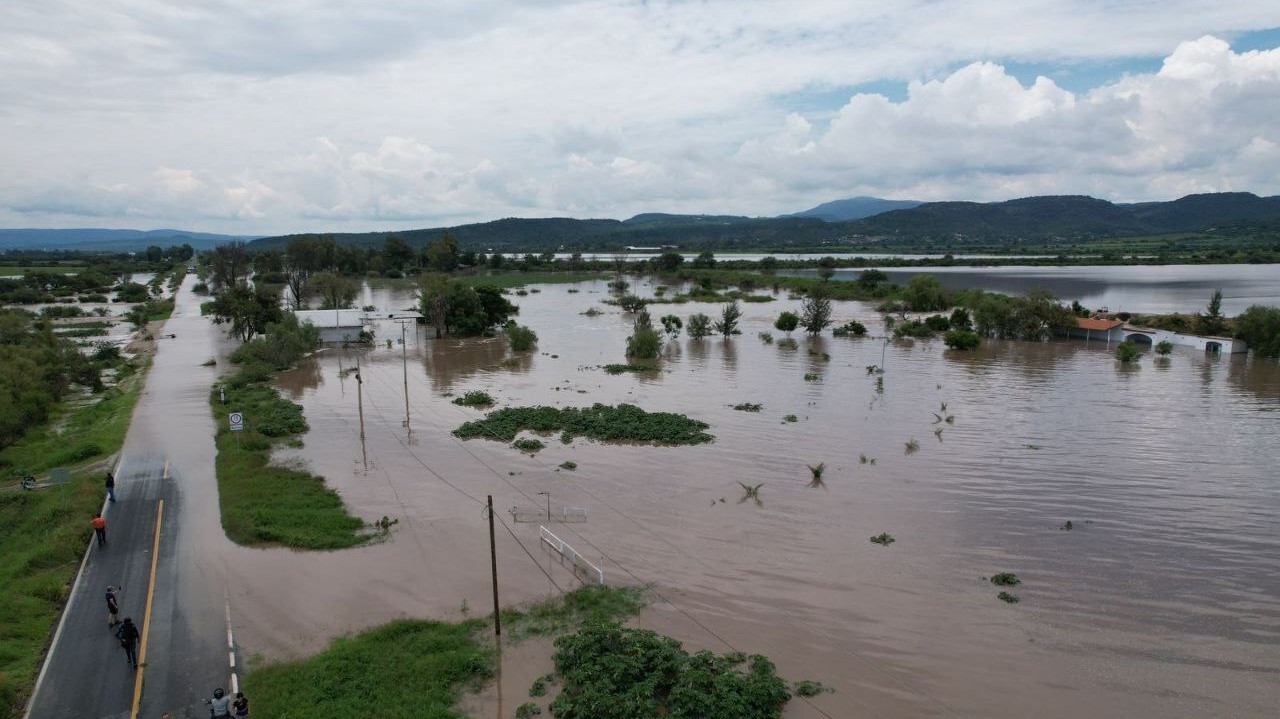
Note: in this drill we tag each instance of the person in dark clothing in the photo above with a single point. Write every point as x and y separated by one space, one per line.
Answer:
128 636
219 705
111 486
99 524
113 606
240 707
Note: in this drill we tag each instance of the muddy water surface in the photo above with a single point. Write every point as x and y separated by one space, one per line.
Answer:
1162 600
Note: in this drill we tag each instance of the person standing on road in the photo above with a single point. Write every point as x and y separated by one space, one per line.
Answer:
128 636
240 707
113 606
99 524
219 705
111 486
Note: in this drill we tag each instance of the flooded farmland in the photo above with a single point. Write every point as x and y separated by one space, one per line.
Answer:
1163 597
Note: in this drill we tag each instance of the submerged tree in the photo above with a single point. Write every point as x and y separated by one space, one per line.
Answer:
1212 321
336 292
699 326
727 325
815 312
671 324
645 342
787 322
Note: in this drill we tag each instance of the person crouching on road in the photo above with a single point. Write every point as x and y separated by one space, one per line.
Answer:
128 636
99 524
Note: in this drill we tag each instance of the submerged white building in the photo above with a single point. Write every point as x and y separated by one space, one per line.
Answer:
1117 331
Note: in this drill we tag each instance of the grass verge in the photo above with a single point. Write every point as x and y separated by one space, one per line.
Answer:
43 534
414 669
269 504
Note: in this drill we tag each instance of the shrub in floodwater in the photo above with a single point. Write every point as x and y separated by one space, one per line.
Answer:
808 688
787 322
1068 526
621 368
912 446
698 326
539 686
528 445
528 709
569 465
727 325
884 539
815 474
521 338
1127 352
1164 348
672 325
618 285
852 328
962 339
812 377
790 418
748 407
592 312
766 337
609 423
1008 598
631 303
1006 579
477 398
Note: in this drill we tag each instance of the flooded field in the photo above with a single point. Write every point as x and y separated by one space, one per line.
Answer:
1163 599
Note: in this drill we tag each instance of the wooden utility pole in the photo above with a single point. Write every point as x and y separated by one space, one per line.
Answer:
404 364
493 561
364 455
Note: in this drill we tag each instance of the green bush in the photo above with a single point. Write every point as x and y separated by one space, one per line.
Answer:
1164 348
521 338
1259 327
476 398
850 328
620 423
962 339
1128 352
698 326
532 446
621 368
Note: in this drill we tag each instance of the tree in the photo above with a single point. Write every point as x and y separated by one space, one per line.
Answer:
304 256
228 265
433 300
705 260
960 319
631 303
336 292
668 261
727 325
521 338
396 253
1164 348
1212 322
962 339
248 311
442 254
826 268
154 253
815 312
1259 327
457 309
769 265
699 326
133 292
644 342
924 293
787 322
1128 352
671 324
868 279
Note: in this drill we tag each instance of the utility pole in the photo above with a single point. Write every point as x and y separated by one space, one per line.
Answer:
364 455
493 561
404 364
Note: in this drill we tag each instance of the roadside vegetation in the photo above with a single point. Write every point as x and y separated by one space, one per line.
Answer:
58 408
265 503
606 423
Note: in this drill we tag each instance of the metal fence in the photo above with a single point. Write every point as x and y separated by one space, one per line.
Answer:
577 561
530 515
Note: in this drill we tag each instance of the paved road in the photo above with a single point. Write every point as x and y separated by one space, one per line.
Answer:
167 458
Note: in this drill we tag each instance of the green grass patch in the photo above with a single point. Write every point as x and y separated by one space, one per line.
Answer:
623 368
508 280
478 398
413 669
43 533
270 504
608 423
532 446
748 407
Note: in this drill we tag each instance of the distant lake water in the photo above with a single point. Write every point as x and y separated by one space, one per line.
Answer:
1129 288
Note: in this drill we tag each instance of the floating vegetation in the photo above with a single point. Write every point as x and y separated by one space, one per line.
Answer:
1008 598
477 398
592 312
528 445
569 465
621 368
912 446
812 377
609 423
573 290
808 688
748 407
1006 579
766 337
864 459
815 472
1031 446
751 492
884 539
1067 527
790 418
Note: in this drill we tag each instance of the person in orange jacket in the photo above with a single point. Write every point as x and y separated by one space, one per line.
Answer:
99 524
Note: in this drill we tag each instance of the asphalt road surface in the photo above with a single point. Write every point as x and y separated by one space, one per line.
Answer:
165 476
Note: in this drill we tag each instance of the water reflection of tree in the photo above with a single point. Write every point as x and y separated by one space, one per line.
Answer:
305 376
1258 375
815 349
448 361
698 350
729 351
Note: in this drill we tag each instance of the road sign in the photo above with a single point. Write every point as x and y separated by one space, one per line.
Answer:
237 421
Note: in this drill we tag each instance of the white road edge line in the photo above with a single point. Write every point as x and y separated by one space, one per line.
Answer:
231 644
62 620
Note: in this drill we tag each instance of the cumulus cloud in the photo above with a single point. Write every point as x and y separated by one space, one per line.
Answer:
315 114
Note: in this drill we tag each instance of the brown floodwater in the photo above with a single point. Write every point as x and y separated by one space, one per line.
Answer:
1162 600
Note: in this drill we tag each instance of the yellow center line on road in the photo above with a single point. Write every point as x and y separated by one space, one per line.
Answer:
146 615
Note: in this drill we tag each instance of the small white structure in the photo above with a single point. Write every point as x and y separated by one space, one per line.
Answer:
336 326
1117 331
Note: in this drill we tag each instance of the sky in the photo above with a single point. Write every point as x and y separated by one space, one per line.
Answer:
251 117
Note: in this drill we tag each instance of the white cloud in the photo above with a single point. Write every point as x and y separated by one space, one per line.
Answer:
318 114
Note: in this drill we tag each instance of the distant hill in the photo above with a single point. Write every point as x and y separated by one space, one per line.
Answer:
104 240
855 208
